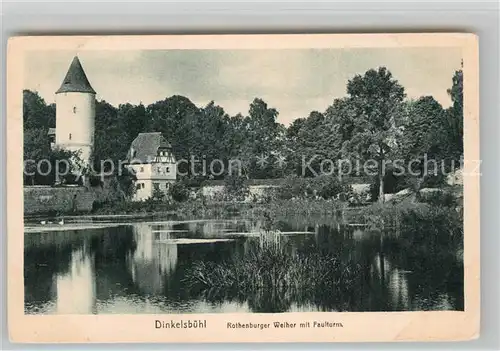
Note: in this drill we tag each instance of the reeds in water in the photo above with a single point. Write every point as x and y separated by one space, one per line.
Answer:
271 271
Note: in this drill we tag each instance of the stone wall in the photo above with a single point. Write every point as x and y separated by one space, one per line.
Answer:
260 191
46 199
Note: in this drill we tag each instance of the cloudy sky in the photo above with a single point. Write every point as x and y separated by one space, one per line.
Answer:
294 81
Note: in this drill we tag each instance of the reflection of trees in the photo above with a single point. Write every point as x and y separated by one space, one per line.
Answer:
401 276
40 267
73 267
435 281
391 274
110 252
48 255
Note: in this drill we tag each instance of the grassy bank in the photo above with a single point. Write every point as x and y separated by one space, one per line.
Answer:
132 208
422 228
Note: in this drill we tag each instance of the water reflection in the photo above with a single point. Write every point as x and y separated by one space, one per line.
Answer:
154 258
142 268
75 289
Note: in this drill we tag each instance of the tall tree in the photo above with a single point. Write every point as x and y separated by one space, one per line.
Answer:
376 97
133 119
211 128
110 136
263 141
455 116
425 143
176 118
36 112
309 142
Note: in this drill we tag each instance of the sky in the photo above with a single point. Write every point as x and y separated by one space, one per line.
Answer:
294 81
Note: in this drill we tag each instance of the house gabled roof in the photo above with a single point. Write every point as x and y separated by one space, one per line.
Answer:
76 80
145 147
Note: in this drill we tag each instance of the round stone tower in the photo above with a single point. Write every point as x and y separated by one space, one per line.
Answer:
75 112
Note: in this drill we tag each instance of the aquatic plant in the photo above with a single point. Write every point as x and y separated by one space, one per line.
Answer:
269 271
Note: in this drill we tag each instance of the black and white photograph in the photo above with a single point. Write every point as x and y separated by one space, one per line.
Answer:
243 181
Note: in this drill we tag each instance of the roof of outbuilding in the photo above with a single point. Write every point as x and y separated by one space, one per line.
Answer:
75 80
145 146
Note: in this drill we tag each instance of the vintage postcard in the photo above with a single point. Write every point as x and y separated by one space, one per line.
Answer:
243 188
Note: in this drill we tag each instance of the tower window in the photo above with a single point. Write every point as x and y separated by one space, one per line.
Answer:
69 136
74 109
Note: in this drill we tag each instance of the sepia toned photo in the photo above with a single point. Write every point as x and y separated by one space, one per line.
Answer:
227 188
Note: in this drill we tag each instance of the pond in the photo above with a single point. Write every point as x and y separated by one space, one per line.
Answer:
149 267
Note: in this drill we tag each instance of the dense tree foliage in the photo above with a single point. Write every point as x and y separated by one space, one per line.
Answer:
455 117
424 136
373 121
36 113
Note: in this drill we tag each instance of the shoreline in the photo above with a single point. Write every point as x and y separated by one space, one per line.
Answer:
138 215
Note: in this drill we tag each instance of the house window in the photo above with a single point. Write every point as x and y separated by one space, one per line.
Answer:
167 169
138 186
143 185
142 169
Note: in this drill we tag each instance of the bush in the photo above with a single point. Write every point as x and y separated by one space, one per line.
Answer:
439 198
235 188
179 192
270 271
329 187
325 187
293 187
158 195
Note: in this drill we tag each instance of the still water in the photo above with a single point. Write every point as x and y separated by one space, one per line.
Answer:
142 268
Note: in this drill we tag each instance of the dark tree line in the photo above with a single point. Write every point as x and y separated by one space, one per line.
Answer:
373 121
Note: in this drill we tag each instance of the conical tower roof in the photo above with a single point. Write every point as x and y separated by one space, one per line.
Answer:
75 81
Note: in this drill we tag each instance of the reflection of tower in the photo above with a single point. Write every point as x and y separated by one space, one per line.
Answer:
76 289
154 257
